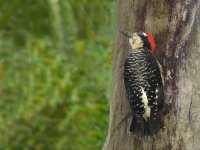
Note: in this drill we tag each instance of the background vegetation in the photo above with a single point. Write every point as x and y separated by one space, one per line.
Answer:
55 73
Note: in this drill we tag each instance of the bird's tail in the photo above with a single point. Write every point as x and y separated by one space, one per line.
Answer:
140 127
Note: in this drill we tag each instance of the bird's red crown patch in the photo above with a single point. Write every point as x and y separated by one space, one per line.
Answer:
151 41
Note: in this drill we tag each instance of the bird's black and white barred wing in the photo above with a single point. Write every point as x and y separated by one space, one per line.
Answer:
132 80
142 72
155 80
143 82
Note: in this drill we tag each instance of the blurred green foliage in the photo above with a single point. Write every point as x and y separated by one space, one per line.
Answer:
55 73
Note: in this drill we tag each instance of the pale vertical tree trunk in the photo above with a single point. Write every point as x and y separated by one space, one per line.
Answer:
175 25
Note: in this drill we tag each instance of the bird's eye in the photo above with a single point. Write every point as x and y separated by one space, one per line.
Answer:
144 34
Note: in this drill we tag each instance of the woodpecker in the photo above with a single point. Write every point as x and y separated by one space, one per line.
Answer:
143 81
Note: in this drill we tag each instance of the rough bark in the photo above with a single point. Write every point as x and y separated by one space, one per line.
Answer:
176 27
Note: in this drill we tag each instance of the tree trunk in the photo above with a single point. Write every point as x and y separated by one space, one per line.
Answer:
176 28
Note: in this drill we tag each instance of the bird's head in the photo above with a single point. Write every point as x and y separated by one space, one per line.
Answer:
141 39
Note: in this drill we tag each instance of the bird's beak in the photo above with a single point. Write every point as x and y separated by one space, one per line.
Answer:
126 33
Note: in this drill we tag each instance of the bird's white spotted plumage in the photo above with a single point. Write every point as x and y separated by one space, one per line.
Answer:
146 115
143 83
